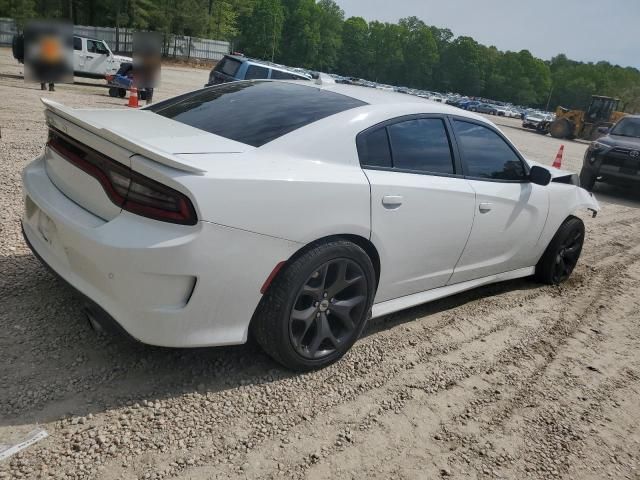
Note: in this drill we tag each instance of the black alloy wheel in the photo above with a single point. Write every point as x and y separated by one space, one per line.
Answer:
317 306
327 309
561 256
567 256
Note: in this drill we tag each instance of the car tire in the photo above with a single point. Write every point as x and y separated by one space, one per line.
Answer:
113 92
296 311
562 253
587 179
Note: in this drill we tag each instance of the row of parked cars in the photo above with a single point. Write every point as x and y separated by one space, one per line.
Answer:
238 67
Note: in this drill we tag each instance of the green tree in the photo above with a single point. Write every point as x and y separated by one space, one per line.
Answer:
354 55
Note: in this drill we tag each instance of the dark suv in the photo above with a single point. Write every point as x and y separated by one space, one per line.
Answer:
614 158
238 67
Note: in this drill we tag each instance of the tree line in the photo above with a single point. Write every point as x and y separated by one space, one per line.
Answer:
315 35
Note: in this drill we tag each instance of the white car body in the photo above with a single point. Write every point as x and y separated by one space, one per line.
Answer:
94 59
199 285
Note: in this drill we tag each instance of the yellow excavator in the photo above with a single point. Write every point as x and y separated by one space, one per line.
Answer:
586 124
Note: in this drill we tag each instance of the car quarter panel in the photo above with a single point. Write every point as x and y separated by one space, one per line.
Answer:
565 200
167 285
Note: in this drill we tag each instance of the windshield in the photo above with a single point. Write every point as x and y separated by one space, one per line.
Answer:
627 127
254 113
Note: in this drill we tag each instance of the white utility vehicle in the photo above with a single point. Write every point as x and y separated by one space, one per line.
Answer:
94 59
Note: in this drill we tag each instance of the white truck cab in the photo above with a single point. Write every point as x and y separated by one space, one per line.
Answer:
94 59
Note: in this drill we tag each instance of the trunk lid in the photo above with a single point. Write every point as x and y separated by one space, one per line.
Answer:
119 135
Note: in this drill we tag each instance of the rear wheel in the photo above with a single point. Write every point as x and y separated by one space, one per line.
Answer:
587 179
317 306
562 254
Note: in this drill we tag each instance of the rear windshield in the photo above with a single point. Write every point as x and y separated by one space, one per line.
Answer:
228 66
254 113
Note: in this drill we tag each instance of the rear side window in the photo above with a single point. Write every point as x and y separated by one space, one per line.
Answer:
228 66
373 149
254 113
279 75
256 72
77 43
486 154
421 145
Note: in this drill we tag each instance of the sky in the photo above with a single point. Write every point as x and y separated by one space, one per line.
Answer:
585 30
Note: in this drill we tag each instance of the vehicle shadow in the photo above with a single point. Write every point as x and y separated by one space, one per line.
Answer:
54 366
619 195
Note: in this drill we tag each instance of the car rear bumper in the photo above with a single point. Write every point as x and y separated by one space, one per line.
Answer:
164 284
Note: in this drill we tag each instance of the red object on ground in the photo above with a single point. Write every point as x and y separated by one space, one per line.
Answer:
557 163
133 97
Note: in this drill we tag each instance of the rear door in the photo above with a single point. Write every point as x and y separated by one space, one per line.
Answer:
510 211
421 206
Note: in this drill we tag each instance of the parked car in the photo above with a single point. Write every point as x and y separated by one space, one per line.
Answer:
615 157
233 68
470 105
195 220
92 58
485 108
532 120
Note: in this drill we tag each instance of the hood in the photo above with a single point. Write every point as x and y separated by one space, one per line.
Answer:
632 143
122 59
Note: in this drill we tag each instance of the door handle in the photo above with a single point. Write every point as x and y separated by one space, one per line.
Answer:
392 201
485 207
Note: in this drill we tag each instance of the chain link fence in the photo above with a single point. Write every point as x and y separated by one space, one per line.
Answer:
120 40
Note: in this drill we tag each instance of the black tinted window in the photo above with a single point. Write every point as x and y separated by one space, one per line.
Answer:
373 149
254 113
255 72
421 145
279 75
486 154
77 43
228 66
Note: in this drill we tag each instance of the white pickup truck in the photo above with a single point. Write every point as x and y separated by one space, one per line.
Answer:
91 58
94 58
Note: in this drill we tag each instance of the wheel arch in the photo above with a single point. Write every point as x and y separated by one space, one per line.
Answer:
362 242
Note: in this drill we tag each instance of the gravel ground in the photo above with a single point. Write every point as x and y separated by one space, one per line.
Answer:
514 380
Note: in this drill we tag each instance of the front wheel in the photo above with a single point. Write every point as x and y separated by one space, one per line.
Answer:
317 306
562 254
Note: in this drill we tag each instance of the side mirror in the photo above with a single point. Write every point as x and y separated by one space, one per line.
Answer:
603 130
539 176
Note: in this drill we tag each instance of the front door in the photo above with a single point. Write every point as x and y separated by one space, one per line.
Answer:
97 58
510 211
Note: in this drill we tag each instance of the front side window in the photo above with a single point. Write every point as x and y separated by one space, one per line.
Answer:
77 43
421 145
96 47
255 72
486 154
280 75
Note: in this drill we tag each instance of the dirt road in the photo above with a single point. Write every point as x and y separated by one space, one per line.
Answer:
510 381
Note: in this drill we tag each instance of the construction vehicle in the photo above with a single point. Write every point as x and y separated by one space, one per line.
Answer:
588 125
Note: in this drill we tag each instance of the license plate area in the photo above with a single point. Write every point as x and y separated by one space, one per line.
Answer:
630 167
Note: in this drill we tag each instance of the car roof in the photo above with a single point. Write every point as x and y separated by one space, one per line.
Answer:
264 63
376 97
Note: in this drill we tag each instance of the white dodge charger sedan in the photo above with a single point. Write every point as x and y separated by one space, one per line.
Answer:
295 212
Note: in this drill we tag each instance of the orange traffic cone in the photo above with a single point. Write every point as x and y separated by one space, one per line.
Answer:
557 163
133 97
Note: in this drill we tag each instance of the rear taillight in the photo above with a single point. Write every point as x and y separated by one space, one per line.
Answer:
124 187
